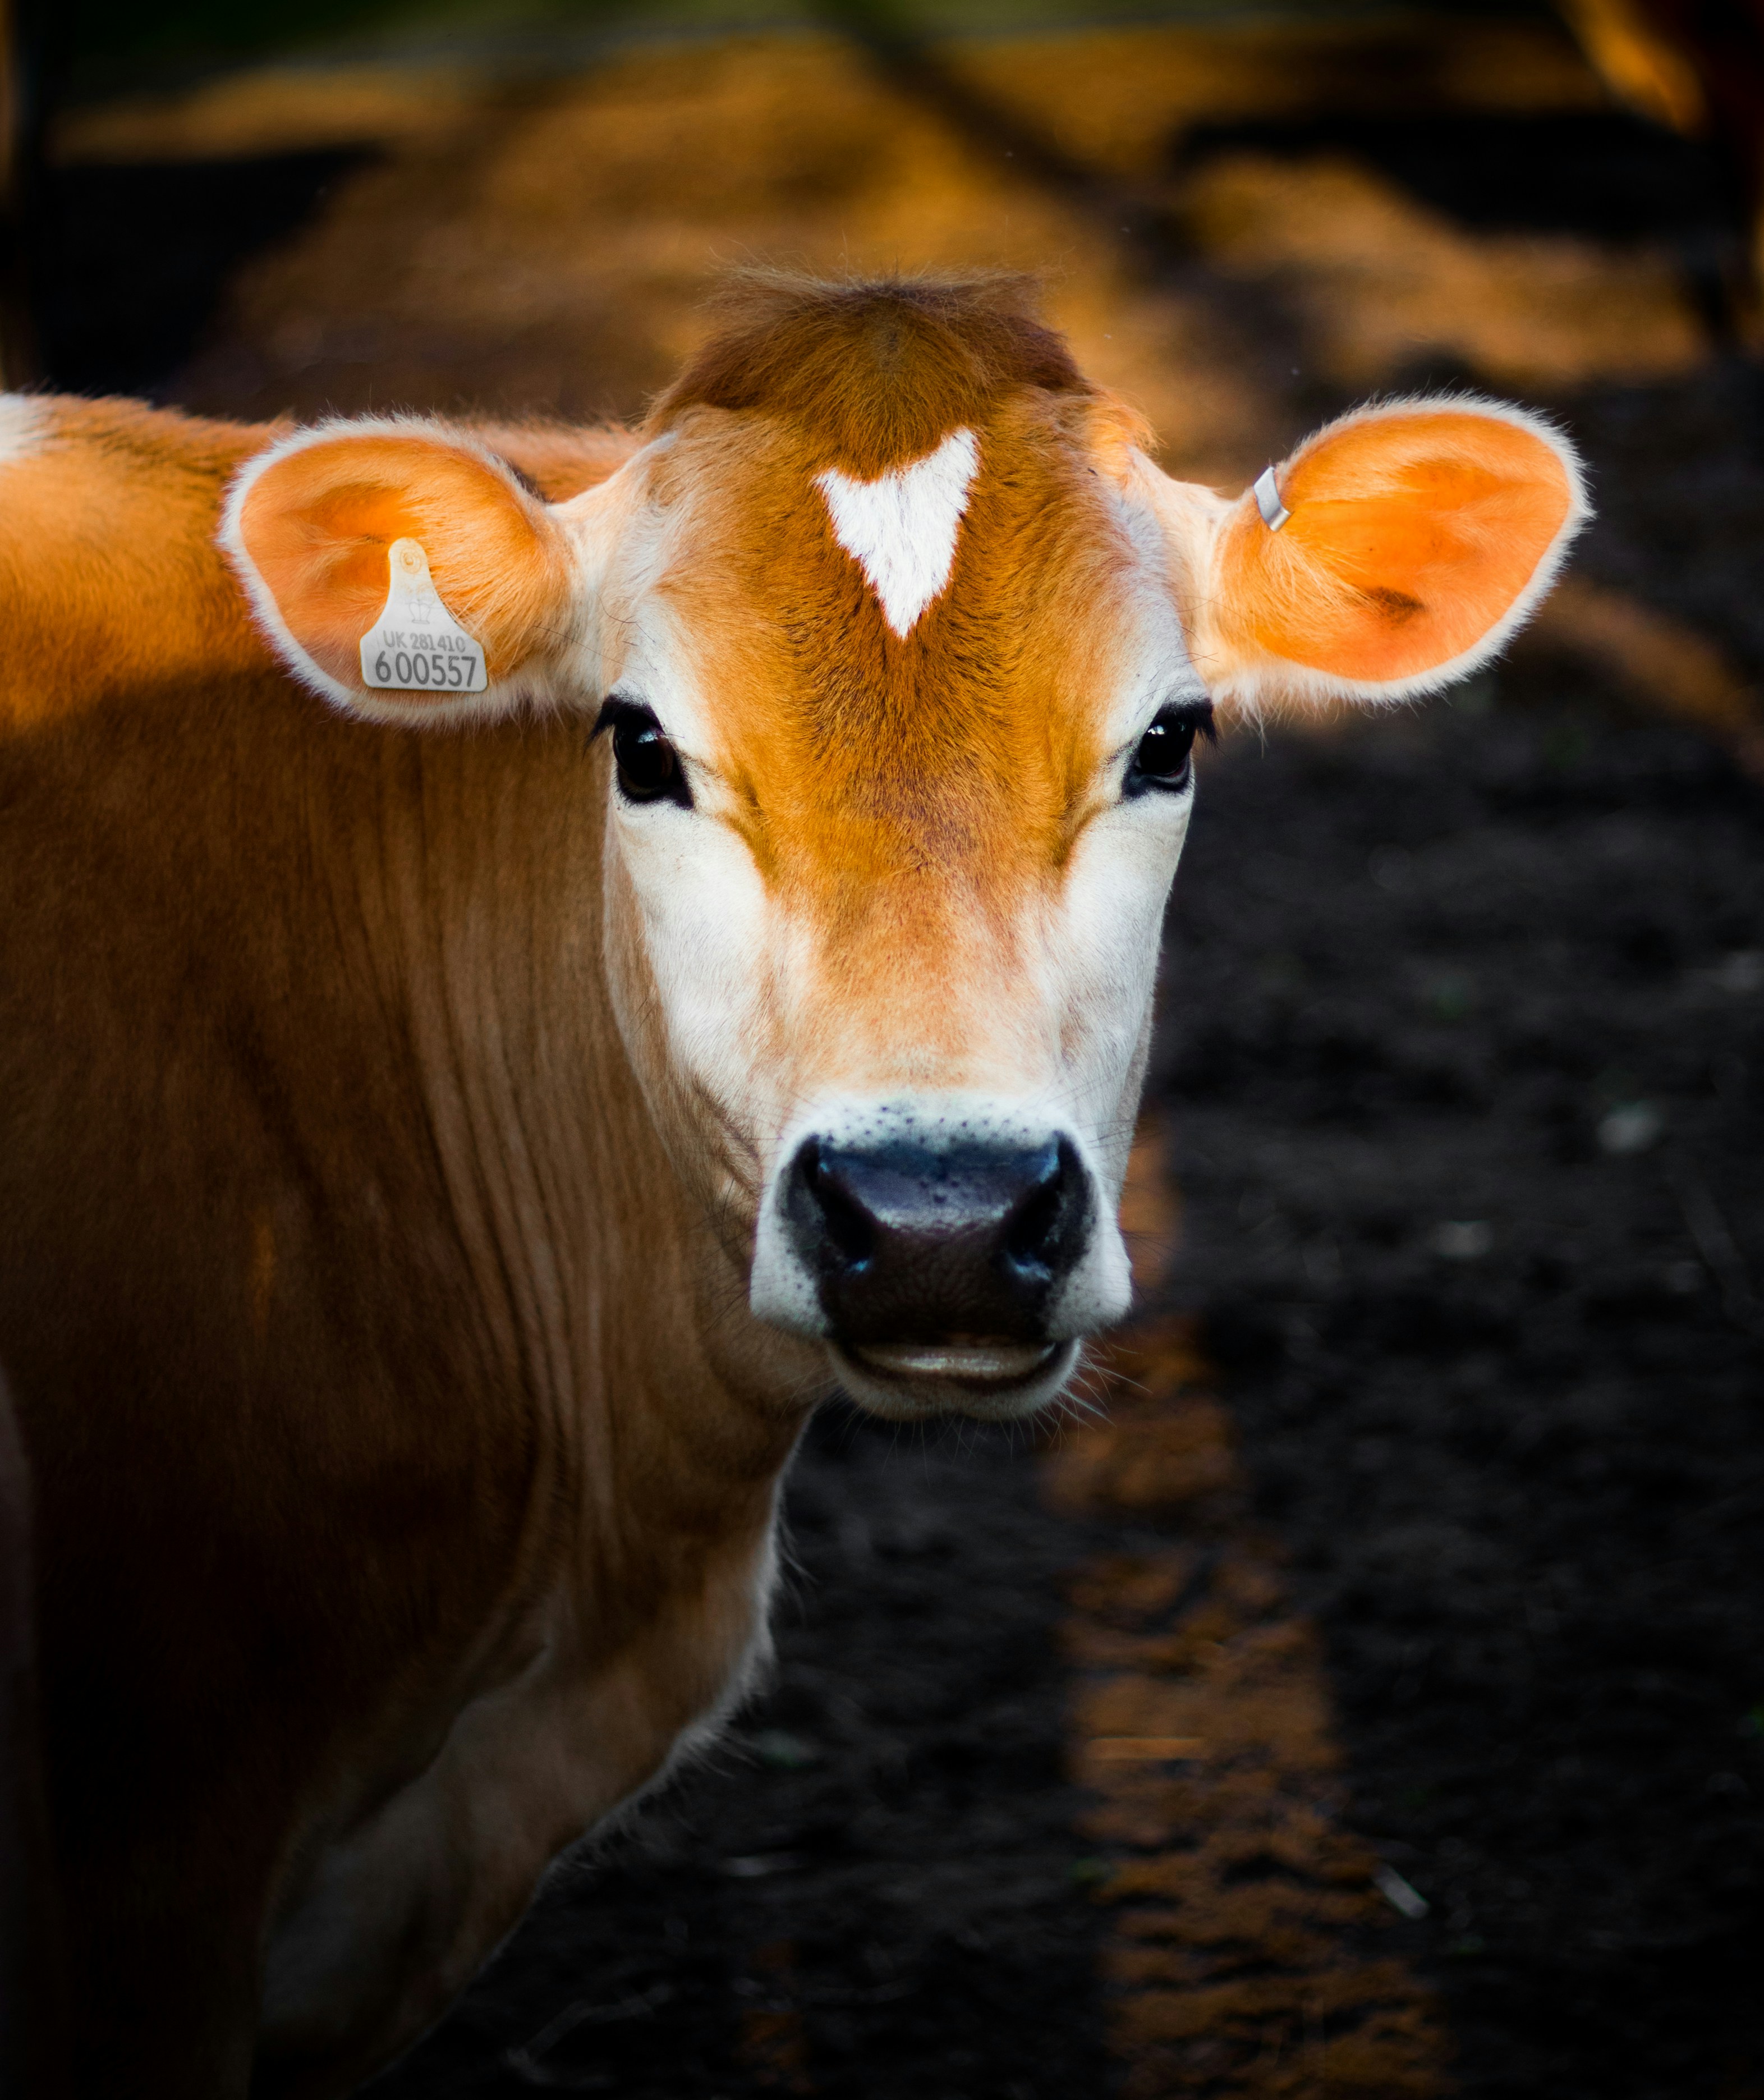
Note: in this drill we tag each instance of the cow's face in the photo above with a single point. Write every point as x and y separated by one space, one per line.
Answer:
899 762
900 768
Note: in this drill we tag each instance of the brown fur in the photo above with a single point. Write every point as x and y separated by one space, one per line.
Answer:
322 1177
320 1171
881 778
905 796
108 569
871 373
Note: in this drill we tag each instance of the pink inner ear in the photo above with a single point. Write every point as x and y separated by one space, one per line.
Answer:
319 520
1410 539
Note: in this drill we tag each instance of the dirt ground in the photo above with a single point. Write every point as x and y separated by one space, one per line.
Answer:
1420 1529
1465 1048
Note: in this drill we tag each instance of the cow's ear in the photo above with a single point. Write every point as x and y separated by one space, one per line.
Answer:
401 571
1396 550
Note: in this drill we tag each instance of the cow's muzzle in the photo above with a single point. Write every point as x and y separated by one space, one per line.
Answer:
965 1244
949 1262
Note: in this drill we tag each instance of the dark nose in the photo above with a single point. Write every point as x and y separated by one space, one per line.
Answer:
911 1244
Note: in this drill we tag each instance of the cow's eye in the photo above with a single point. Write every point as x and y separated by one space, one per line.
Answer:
648 766
1164 758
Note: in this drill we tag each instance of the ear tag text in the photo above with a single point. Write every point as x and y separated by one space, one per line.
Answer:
416 645
1274 513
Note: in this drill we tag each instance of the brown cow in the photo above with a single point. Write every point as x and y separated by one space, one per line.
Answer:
448 1151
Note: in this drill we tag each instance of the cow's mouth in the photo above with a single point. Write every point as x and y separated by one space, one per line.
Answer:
991 1378
987 1363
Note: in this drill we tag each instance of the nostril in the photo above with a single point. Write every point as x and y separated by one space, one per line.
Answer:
1043 1223
848 1224
1035 1220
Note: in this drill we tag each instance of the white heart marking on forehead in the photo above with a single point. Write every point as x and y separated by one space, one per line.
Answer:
901 528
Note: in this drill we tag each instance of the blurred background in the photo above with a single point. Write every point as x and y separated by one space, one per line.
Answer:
1244 213
1426 1531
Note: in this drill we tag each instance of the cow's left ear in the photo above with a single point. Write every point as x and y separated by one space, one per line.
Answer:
1395 551
401 570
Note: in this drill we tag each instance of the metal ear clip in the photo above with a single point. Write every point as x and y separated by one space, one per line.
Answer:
1274 513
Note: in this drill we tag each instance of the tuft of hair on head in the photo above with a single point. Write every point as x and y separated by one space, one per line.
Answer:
878 371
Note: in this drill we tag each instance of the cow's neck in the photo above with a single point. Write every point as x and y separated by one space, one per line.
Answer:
595 1287
600 1420
515 1310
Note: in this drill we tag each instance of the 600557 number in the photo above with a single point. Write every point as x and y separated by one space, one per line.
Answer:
428 668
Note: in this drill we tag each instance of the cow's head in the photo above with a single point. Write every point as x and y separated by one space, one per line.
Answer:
901 644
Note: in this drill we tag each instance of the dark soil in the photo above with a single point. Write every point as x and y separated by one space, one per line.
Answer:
1466 1055
1465 1052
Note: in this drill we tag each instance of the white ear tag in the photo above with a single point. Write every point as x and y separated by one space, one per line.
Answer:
416 645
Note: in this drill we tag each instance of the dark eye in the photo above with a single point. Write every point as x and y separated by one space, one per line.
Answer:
648 766
1164 756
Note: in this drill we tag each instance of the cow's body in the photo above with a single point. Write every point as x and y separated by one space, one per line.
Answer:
385 1213
308 1238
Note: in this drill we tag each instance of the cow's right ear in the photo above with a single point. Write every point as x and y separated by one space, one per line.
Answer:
401 533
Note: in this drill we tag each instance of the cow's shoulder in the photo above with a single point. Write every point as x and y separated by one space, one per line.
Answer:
76 450
108 566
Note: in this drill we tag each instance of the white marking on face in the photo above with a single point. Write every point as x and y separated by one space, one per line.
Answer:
24 425
900 529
